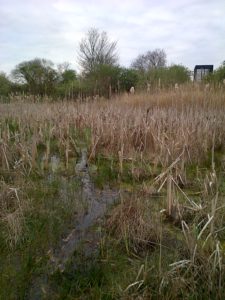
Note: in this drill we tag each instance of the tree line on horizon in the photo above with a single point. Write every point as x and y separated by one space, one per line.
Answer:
100 74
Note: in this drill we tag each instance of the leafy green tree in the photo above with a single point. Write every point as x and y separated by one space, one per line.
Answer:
177 74
104 80
67 86
217 76
96 49
5 85
38 74
168 76
220 73
128 78
68 76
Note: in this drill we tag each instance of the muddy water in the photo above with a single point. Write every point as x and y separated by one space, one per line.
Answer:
97 203
82 237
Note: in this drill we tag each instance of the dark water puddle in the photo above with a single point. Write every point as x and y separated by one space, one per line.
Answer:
96 209
83 237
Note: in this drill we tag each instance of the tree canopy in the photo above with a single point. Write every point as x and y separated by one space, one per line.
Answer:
150 60
128 78
38 74
218 76
100 73
96 49
5 84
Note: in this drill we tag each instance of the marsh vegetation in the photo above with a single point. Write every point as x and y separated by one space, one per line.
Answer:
155 161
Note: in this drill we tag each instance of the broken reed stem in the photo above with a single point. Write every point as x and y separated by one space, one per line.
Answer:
120 154
169 196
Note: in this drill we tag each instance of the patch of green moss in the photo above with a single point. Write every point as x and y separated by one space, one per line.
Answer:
108 172
102 278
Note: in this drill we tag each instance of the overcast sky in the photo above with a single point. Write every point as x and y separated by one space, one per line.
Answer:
191 32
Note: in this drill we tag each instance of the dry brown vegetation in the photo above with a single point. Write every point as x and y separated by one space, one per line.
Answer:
167 129
172 142
159 127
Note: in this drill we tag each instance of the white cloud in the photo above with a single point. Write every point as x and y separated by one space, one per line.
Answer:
190 31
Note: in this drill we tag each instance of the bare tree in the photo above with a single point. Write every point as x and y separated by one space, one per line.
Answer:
140 63
149 60
62 67
96 49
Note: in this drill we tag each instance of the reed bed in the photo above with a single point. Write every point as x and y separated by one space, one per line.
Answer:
159 127
178 136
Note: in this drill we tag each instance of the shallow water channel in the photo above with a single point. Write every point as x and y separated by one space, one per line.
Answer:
82 237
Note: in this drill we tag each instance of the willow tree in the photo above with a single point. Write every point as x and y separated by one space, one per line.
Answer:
38 74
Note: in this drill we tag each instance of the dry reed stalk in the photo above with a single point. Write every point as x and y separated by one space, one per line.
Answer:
34 152
120 154
5 156
47 153
12 208
173 123
169 197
